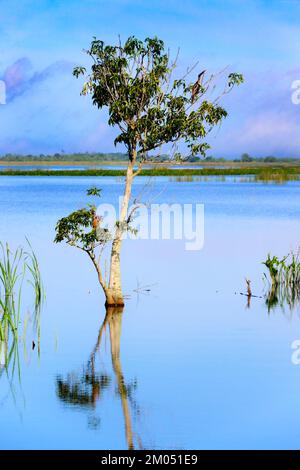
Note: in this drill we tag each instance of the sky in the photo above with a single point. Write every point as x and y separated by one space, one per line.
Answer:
41 41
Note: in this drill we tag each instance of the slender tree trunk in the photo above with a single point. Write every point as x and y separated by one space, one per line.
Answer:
114 294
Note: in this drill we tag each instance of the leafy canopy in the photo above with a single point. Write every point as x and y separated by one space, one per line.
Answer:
134 81
77 228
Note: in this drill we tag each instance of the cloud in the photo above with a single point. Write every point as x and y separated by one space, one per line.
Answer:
20 77
46 114
262 118
269 133
17 74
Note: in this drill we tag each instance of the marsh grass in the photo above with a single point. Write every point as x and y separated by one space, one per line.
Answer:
261 173
284 283
12 271
37 284
276 175
185 179
14 268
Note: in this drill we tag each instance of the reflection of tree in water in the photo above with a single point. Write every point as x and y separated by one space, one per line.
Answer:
86 388
82 390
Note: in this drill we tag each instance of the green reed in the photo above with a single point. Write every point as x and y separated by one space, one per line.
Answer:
12 271
285 280
36 278
14 267
36 282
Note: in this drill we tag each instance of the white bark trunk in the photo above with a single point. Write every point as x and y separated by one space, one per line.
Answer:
114 295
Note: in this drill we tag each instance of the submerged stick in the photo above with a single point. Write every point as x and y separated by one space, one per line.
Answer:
249 292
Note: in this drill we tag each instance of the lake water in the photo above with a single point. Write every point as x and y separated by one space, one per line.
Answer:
197 367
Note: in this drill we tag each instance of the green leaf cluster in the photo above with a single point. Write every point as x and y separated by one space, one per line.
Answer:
77 229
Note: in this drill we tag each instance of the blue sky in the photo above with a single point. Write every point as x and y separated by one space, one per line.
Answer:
41 41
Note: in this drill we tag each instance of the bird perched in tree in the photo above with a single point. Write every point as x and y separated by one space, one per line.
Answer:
96 224
96 221
197 86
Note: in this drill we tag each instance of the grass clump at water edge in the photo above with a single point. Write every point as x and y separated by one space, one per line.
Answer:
16 267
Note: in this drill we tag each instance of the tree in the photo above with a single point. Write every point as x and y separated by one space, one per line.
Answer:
150 108
246 157
270 159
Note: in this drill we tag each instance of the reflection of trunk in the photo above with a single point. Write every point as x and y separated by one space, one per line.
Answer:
114 319
114 295
85 389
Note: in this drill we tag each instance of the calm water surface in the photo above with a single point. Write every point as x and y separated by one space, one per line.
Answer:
187 366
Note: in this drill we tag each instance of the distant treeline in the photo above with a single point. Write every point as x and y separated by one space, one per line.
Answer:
84 157
246 158
119 157
65 157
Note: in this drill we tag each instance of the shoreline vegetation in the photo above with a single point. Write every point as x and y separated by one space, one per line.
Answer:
262 169
278 173
119 158
205 163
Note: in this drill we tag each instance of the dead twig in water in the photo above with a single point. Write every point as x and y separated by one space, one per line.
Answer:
252 295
